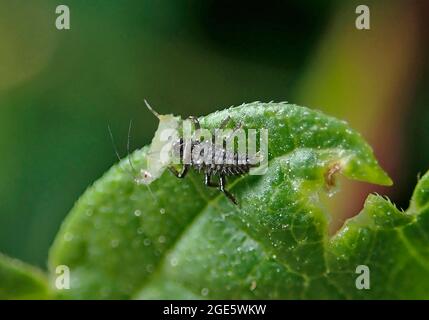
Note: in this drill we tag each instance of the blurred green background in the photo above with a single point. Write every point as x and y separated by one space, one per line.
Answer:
60 89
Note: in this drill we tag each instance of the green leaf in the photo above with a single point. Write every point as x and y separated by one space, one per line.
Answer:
21 281
182 240
393 243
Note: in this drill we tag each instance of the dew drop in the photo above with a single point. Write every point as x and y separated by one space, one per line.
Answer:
204 292
68 236
149 268
136 243
162 210
137 213
173 262
97 225
161 239
146 242
253 285
114 243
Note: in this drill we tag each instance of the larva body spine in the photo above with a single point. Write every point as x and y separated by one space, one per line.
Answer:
217 160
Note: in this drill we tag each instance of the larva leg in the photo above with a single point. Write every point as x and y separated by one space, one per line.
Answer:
179 174
209 183
195 122
237 127
224 122
222 184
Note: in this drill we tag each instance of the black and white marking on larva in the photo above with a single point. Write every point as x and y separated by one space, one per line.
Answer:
210 158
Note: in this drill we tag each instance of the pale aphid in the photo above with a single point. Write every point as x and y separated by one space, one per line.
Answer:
145 175
159 154
158 157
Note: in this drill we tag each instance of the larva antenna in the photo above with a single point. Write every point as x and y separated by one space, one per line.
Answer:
156 114
113 143
128 147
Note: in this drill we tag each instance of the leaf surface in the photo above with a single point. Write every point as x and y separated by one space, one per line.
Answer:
21 281
182 240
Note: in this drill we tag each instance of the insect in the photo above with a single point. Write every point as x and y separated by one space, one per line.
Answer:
212 159
228 163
